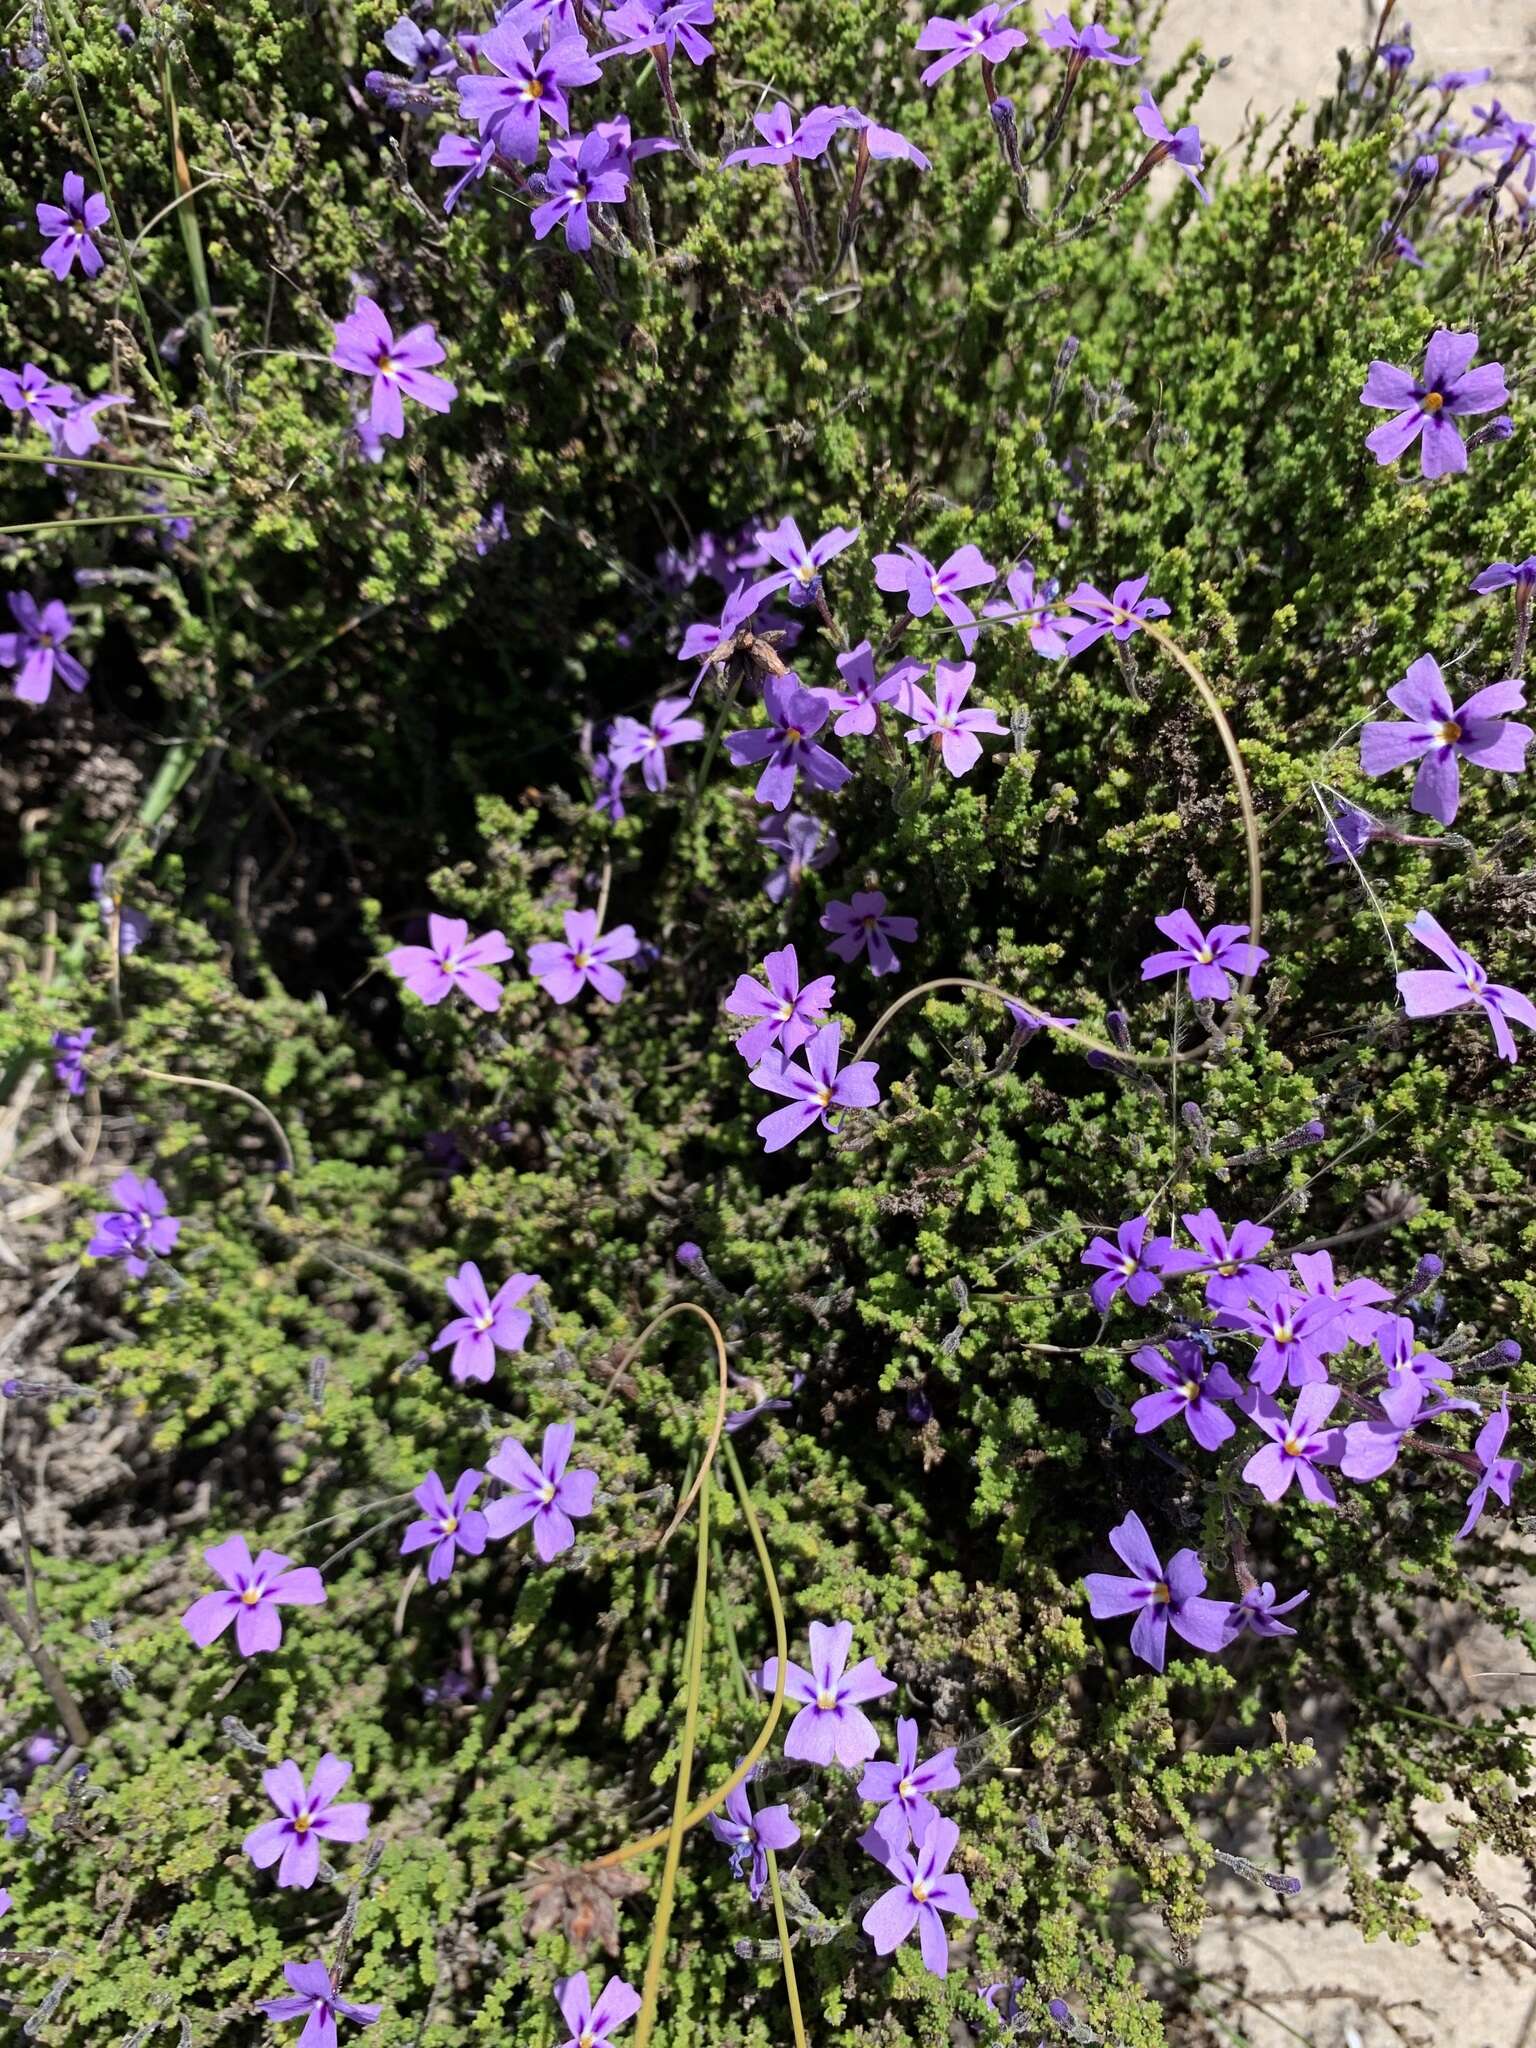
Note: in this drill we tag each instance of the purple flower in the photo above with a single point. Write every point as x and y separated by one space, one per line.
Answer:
608 782
1456 81
37 649
631 743
1130 1262
318 2004
133 927
787 747
644 26
1157 1598
1228 1259
703 640
1429 992
789 1011
508 107
829 1726
584 171
861 925
544 1494
139 1229
1191 1388
5 1902
426 50
1027 1021
453 961
69 1067
945 719
71 227
1348 833
857 702
253 1594
463 153
1371 1448
814 1090
785 141
77 430
1059 34
800 567
1498 1474
1183 144
803 844
309 1816
1297 1331
33 392
925 1887
1258 1613
1439 738
1297 1445
366 345
592 2025
981 36
12 1819
1359 1316
901 1789
583 959
884 144
1395 1339
1120 615
1451 389
484 1326
1034 606
450 1525
750 1836
1206 957
926 587
1497 575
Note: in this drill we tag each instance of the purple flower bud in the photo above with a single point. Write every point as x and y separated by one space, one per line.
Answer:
1006 124
1425 168
919 1407
1118 1025
1501 429
689 1255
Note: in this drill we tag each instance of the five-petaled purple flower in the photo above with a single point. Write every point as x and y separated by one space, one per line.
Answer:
1182 144
508 105
1207 957
1430 991
484 1324
862 926
786 140
71 227
983 35
646 26
1258 1613
1450 390
253 1593
1298 1444
1397 1341
317 2003
308 1815
37 648
545 1493
1497 575
803 844
1130 1262
788 1010
366 345
787 746
452 961
799 569
863 692
592 2025
1439 737
69 1067
1191 1388
583 959
814 1090
925 587
450 1524
631 743
33 392
749 1836
1158 1599
1120 615
1038 607
925 1887
1227 1258
1498 1474
583 173
1060 34
901 1789
1298 1331
946 719
139 1229
1358 1300
829 1727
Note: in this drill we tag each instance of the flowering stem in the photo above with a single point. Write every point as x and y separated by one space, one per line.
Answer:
791 1988
1522 629
229 1088
1059 111
174 476
803 208
712 746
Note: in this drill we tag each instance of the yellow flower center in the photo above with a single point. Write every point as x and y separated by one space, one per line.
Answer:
484 1322
824 1096
1189 1390
1160 1594
547 1492
1432 401
793 732
250 1596
301 1824
786 1011
1292 1447
1448 733
1205 956
1285 1334
919 1890
806 572
1127 1267
533 89
904 1789
582 959
826 1701
450 1523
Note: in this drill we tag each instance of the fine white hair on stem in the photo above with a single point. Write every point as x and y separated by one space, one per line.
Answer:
1317 790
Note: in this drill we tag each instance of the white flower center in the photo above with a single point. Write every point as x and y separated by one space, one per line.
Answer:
449 1524
904 1789
824 1096
547 1492
919 1890
826 1700
1205 956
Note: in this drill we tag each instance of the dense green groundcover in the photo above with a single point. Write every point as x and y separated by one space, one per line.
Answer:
326 712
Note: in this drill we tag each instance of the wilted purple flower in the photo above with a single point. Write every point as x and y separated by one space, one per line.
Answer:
133 927
901 1789
465 154
787 747
1059 34
583 959
829 1726
1402 248
366 345
1130 1262
69 1067
254 1592
1258 1613
452 961
1191 1388
862 926
803 843
814 1090
426 50
786 140
76 432
1348 832
1429 992
545 1494
1035 607
1297 1446
484 1325
508 107
946 719
449 1525
1497 575
1182 144
308 1816
857 702
1206 957
1498 1474
884 144
1438 737
981 36
12 1820
925 587
1158 1599
1457 81
318 2004
799 569
1297 1331
592 2025
37 648
1120 615
33 392
1395 1339
789 1011
630 743
139 1229
1027 1021
749 1836
1228 1258
644 26
1451 389
71 227
608 782
1359 1314
582 174
702 640
925 1887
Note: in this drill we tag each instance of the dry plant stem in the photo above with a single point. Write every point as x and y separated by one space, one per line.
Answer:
1085 1039
722 1394
241 1094
791 1988
52 1678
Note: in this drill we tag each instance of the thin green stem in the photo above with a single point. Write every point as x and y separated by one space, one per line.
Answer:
171 476
712 744
791 1988
94 519
1085 1039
